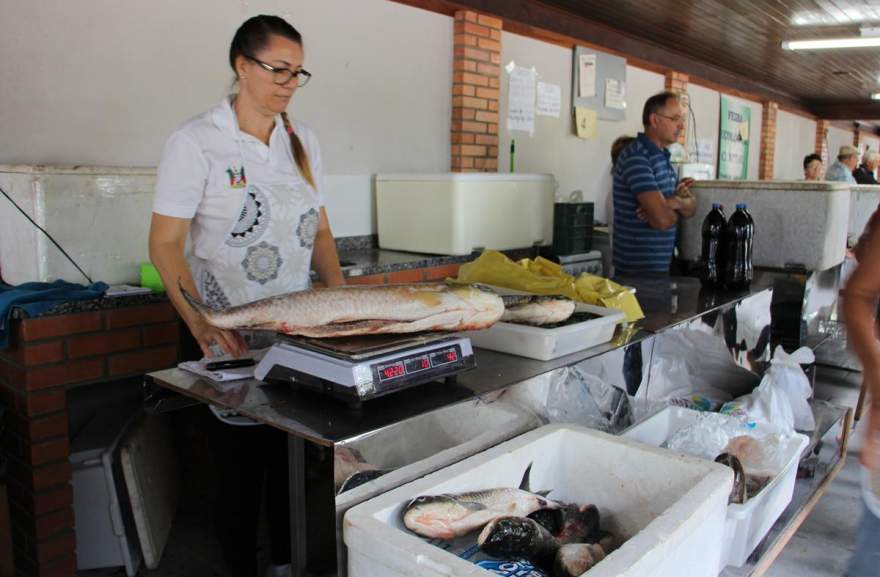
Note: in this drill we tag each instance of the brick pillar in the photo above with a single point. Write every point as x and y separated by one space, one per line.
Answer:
677 83
476 81
768 139
821 142
46 356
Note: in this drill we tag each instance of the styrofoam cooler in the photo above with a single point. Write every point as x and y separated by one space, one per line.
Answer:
545 344
671 508
748 523
426 443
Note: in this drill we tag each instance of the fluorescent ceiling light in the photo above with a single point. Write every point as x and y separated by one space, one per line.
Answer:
831 43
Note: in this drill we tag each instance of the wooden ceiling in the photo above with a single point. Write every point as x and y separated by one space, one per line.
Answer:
733 43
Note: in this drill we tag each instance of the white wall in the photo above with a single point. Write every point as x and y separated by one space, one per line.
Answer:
837 137
795 138
705 104
577 164
866 141
95 82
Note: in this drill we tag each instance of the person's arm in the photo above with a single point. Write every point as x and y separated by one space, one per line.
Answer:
687 203
860 311
168 236
659 212
325 260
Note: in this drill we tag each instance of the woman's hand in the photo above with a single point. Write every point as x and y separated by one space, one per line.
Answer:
230 342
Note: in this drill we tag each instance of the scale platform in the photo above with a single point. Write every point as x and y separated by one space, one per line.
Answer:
356 369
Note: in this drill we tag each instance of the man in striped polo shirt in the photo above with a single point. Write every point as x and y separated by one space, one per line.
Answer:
648 198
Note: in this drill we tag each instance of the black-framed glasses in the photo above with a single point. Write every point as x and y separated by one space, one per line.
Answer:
675 119
282 76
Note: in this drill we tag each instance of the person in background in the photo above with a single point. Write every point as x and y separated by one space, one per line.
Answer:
867 171
842 170
617 147
814 168
859 305
244 183
649 200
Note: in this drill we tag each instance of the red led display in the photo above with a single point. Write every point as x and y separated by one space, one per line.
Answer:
392 371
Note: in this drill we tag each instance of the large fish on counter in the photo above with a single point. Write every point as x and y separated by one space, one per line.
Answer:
362 310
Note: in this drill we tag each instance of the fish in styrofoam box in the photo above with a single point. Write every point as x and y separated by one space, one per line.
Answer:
670 508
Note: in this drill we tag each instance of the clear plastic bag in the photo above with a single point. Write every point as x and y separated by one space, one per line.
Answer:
780 402
581 398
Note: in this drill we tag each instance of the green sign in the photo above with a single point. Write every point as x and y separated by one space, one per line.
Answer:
733 148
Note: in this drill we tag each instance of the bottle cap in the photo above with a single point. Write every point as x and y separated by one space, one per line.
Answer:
740 205
717 205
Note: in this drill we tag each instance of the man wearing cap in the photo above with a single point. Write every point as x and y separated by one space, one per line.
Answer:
842 170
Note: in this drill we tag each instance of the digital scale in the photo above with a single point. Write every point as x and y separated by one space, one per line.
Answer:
356 369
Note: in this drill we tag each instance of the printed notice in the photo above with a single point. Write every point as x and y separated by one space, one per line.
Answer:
587 123
549 99
615 94
521 100
587 75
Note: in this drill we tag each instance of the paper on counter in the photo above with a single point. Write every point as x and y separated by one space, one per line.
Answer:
236 374
521 100
549 99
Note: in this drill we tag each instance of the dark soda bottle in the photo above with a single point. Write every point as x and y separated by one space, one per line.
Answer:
714 247
740 231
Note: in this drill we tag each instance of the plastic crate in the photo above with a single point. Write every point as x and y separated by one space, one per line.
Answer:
572 227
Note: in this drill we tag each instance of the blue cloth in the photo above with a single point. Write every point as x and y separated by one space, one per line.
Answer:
35 298
641 167
839 172
865 561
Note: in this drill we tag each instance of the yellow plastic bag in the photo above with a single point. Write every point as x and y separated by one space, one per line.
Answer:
541 276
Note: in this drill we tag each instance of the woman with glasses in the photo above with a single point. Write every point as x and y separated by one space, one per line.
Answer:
243 182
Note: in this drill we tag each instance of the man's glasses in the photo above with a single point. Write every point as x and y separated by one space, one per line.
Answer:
282 76
675 119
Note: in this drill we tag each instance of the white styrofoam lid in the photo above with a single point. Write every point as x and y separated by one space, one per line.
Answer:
465 176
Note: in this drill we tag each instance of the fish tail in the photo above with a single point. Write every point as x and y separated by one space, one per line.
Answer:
201 308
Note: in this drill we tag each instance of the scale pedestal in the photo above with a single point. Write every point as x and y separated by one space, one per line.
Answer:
357 369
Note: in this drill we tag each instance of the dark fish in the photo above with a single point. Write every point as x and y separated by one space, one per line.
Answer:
579 525
570 524
536 309
453 515
575 559
738 493
512 537
359 478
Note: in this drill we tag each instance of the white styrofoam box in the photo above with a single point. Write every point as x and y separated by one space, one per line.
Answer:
747 523
863 202
550 343
99 215
105 533
149 466
457 213
797 223
423 444
670 507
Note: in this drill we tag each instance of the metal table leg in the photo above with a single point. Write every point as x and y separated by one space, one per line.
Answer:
296 464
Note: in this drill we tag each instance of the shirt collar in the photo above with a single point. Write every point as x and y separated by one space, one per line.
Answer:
223 116
652 148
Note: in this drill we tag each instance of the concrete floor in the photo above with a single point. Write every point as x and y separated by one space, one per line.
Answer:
824 543
821 547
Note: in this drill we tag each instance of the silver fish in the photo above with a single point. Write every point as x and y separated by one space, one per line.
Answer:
537 310
360 310
448 516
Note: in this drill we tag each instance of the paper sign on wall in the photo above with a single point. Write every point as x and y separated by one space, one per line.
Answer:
587 75
733 146
615 94
549 99
521 100
587 123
